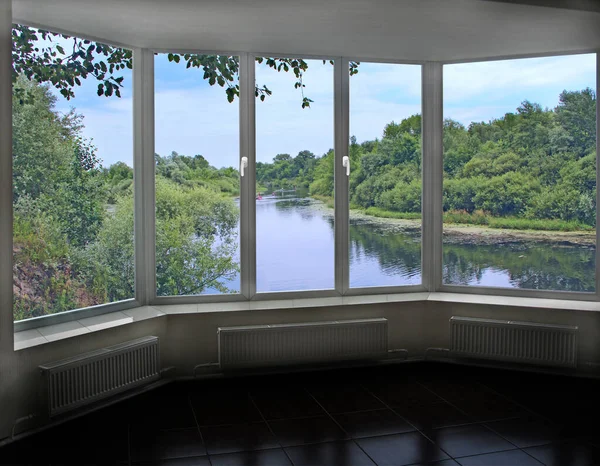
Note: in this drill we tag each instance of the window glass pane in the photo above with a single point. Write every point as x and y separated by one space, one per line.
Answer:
294 175
197 176
72 175
520 173
385 180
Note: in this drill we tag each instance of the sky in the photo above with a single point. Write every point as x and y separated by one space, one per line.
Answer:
195 118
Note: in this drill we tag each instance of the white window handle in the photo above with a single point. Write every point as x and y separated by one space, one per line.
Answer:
346 163
243 164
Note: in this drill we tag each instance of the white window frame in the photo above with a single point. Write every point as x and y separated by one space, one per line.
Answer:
144 191
520 292
139 298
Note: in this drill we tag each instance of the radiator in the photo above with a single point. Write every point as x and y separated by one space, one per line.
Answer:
88 377
272 345
526 342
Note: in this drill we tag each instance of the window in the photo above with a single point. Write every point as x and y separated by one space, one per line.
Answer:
294 175
519 177
72 181
520 173
197 179
385 180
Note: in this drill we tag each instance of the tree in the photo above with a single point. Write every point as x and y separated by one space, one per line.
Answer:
576 113
64 70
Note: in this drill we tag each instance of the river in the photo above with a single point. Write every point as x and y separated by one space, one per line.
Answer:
295 252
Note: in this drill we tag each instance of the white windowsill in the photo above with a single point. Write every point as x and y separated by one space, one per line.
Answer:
42 335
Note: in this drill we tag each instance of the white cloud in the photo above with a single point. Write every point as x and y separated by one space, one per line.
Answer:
380 94
491 81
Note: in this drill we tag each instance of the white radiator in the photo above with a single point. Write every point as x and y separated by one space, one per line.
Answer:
527 342
88 377
271 345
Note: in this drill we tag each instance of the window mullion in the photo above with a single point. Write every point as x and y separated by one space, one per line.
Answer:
248 181
6 222
143 169
597 176
342 214
432 150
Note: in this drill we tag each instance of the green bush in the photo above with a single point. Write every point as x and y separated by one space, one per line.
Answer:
402 198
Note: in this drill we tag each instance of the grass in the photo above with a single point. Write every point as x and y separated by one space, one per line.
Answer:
477 218
327 200
377 212
514 223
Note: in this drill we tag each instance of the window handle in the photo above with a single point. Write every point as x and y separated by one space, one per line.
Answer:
243 164
346 163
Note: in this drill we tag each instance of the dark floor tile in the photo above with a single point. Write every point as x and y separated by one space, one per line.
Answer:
487 406
342 398
401 449
85 439
402 393
275 457
373 423
24 452
329 454
571 453
282 402
302 431
238 437
225 406
164 412
504 458
454 388
578 415
433 416
152 445
438 463
526 432
468 440
190 461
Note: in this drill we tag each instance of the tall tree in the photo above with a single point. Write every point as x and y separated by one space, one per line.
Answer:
576 112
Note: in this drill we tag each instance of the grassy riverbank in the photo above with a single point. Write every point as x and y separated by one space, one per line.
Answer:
476 219
483 219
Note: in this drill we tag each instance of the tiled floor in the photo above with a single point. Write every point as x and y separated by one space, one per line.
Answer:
408 414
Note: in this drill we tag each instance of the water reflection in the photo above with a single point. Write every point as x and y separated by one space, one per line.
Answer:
384 255
528 264
294 244
295 251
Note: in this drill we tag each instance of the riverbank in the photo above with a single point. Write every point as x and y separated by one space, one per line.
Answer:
462 233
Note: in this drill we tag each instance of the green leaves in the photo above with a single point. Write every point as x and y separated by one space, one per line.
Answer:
52 64
65 70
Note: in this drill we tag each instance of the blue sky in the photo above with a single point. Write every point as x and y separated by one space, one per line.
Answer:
195 118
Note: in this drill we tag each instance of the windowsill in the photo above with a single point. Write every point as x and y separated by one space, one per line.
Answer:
57 332
42 335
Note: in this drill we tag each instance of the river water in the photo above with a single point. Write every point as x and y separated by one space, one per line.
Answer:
295 252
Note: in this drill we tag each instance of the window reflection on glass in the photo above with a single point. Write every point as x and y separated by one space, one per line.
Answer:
520 173
294 176
197 177
385 180
72 176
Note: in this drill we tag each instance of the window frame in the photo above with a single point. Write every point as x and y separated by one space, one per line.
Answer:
432 173
439 286
139 293
425 197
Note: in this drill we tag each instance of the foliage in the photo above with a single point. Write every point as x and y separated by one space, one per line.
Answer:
39 56
74 219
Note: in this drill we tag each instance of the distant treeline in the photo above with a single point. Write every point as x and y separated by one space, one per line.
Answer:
532 164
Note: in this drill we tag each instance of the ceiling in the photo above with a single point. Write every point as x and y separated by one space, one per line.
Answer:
411 30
